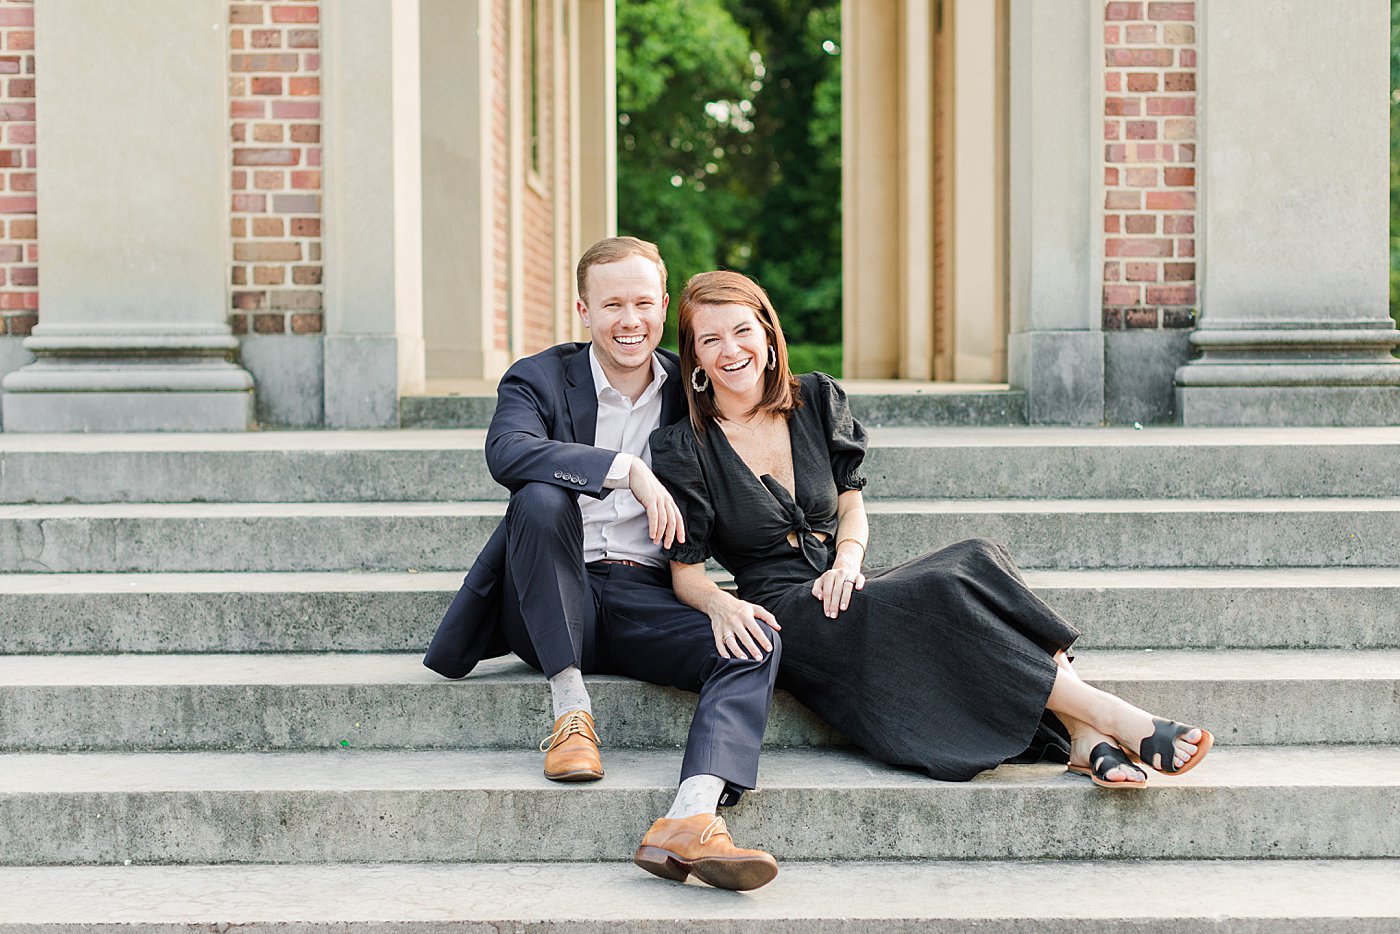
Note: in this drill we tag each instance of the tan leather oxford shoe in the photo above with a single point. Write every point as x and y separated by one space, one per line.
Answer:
571 751
675 848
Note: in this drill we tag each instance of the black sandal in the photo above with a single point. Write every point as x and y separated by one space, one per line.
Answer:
1104 758
1160 747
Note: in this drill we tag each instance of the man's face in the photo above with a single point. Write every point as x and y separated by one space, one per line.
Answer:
625 310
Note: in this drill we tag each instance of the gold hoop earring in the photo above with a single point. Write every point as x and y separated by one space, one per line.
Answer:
695 376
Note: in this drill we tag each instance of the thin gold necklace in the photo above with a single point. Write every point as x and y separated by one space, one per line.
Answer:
747 424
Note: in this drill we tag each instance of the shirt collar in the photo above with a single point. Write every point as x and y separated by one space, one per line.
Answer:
601 384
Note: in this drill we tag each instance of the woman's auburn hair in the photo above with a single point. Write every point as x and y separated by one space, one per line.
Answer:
781 391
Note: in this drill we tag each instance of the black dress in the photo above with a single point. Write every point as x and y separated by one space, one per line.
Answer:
942 663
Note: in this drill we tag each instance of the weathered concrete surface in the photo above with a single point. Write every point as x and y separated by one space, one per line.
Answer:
1293 896
245 537
348 806
290 373
222 612
387 612
261 467
177 702
872 402
1139 370
173 702
903 463
1301 532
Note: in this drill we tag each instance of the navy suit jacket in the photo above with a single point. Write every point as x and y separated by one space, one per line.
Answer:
542 432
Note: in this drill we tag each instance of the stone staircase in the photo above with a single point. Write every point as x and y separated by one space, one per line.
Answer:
885 402
213 711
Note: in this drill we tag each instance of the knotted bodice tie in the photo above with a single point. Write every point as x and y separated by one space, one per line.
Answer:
812 548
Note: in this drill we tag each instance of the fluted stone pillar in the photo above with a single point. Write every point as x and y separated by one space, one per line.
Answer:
132 186
1293 218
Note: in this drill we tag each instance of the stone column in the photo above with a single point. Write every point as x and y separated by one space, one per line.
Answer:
593 112
133 180
592 51
887 178
1294 174
1055 351
458 320
373 211
871 228
978 217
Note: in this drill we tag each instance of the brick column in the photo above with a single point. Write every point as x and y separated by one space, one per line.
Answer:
133 182
1149 274
19 249
275 139
1294 325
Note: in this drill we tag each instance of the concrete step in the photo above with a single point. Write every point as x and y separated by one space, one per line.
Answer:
379 612
875 402
954 463
357 806
1158 897
181 702
1303 532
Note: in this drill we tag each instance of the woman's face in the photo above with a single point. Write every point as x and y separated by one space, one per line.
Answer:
731 346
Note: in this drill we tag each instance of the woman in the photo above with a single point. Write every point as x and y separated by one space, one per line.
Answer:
947 663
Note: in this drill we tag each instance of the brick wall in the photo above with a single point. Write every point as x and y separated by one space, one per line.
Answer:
19 249
1150 165
275 130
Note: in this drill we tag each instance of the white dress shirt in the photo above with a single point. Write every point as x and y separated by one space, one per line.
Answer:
616 525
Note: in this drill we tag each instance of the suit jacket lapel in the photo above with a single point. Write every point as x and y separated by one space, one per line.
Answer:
582 396
672 393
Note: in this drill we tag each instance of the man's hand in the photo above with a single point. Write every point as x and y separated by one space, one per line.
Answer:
664 523
736 628
834 588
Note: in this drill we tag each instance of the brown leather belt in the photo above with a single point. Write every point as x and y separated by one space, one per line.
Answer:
630 564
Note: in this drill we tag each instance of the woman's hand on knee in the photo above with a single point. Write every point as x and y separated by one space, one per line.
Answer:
834 588
738 628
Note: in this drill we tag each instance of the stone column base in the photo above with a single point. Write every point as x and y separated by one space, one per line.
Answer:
1062 374
1294 376
1289 406
91 378
52 396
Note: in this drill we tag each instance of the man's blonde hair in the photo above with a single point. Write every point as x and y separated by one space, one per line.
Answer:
613 250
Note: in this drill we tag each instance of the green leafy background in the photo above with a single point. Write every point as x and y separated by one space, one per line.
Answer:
729 140
729 150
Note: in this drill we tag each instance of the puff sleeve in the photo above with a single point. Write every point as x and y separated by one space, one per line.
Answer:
845 438
675 460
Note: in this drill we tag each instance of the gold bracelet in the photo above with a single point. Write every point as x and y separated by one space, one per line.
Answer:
857 543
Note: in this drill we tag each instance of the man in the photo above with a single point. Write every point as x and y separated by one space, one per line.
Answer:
574 582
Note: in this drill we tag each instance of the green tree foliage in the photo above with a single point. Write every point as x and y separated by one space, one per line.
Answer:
685 77
729 141
795 175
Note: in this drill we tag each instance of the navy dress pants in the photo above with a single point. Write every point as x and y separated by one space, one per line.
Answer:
605 618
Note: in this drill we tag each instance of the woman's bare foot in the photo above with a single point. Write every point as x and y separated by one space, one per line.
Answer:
1087 759
1154 740
1150 739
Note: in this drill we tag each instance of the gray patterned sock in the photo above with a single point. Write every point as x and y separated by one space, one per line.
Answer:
698 794
569 693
